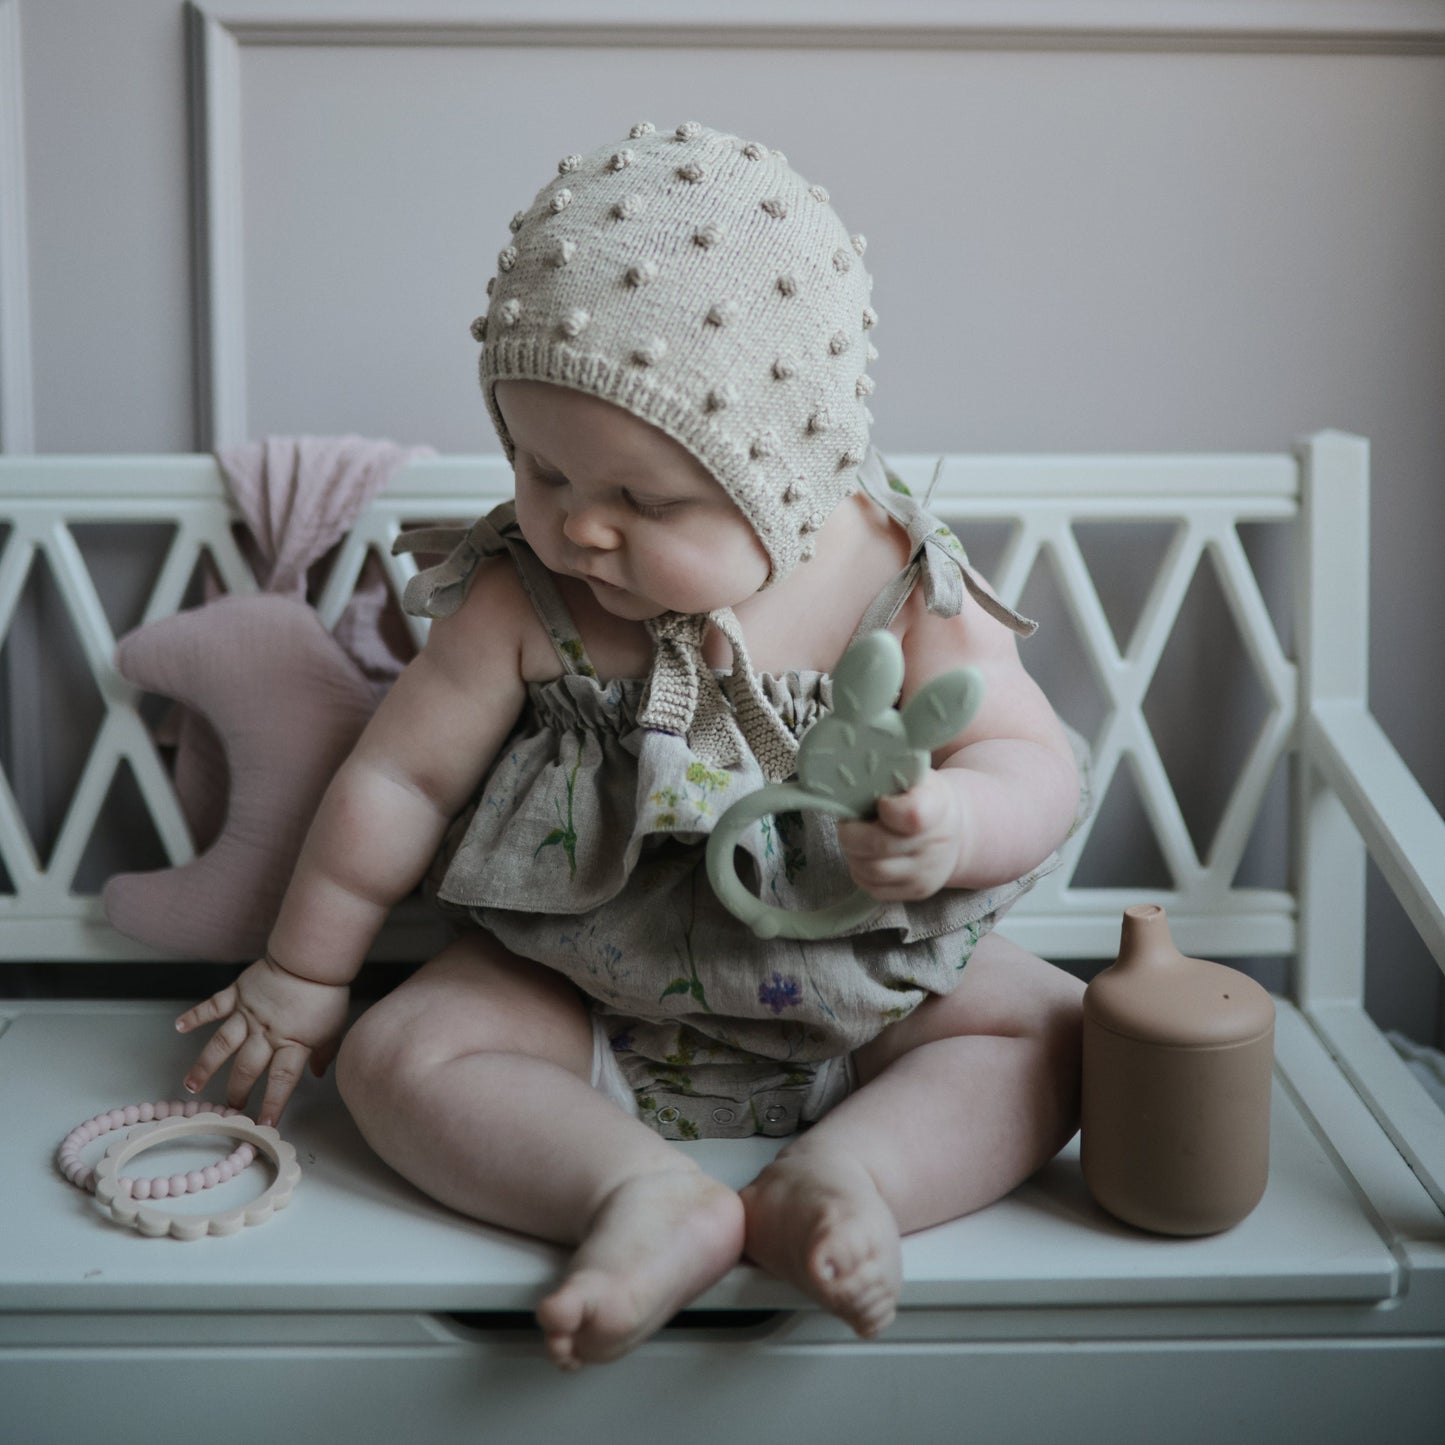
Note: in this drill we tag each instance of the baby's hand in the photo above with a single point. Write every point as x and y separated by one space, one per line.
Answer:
270 1020
910 850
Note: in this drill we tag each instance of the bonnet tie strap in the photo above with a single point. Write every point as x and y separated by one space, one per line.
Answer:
770 738
685 699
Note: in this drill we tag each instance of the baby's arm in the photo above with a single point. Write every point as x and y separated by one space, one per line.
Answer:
373 837
999 798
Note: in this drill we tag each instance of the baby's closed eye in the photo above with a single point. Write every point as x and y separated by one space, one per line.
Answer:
651 506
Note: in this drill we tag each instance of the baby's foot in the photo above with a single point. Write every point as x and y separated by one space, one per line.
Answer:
818 1221
656 1243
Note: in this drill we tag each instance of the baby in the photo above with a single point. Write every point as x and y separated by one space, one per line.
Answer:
675 360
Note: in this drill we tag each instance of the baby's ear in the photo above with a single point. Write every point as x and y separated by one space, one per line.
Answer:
287 705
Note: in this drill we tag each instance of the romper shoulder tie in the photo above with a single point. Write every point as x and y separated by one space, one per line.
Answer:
440 590
936 557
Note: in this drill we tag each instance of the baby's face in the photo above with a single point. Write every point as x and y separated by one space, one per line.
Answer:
605 497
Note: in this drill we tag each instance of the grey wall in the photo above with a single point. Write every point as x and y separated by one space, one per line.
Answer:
1133 228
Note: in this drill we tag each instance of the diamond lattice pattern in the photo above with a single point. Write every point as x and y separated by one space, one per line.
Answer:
1106 663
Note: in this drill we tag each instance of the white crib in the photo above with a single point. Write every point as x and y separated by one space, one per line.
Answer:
366 1312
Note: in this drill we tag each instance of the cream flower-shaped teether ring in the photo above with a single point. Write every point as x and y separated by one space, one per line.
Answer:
156 1223
865 749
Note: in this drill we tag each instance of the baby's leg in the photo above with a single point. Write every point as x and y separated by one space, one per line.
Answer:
959 1103
471 1080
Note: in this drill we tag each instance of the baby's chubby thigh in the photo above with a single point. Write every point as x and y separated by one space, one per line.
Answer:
1005 992
475 997
472 1081
960 1101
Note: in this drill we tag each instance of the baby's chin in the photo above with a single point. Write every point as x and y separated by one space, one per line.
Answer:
635 607
621 603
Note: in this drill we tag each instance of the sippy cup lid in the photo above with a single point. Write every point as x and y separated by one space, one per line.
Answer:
1154 994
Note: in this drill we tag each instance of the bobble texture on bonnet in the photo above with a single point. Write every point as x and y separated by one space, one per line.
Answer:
697 281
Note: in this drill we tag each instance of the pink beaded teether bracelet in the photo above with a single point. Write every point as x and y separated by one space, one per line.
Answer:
162 1186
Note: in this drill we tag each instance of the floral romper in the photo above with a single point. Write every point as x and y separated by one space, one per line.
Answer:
584 851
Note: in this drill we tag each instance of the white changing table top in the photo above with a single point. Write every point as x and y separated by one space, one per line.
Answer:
356 1236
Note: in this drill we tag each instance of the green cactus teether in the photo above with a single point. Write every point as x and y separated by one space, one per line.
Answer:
863 750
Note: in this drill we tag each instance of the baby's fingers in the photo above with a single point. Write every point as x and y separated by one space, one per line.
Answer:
286 1070
904 878
223 1043
323 1056
919 810
863 841
255 1054
207 1012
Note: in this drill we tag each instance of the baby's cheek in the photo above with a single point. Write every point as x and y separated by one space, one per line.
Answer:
716 572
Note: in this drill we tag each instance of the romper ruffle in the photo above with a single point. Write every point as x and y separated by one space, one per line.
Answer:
584 851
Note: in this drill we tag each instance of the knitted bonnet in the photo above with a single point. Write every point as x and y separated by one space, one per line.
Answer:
697 281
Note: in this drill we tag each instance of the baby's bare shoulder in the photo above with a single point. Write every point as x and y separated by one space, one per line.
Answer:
454 704
972 637
496 621
1014 706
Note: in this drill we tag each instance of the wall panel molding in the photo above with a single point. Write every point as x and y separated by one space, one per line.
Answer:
1067 24
216 199
17 399
219 29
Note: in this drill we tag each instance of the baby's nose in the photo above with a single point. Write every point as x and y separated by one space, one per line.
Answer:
590 527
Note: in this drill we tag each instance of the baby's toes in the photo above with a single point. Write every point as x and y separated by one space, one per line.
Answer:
842 1250
833 1263
873 1310
561 1317
854 1279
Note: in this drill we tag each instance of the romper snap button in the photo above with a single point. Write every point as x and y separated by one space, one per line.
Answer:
774 1113
668 1115
723 1116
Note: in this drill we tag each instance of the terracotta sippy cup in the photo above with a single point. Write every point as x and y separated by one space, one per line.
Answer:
1178 1055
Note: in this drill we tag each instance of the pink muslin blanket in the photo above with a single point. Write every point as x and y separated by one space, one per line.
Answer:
299 496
